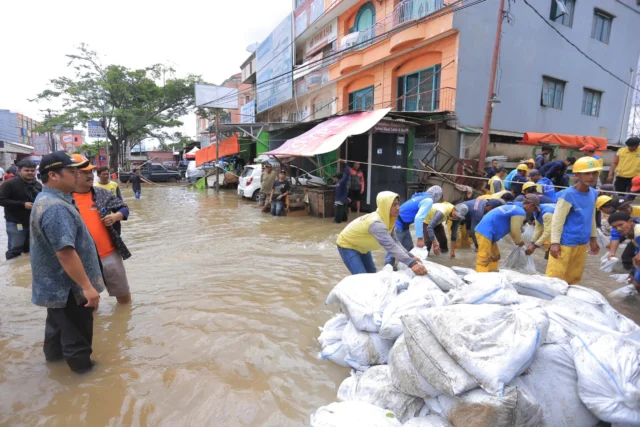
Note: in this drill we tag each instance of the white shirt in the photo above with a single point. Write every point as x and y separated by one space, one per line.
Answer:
1 173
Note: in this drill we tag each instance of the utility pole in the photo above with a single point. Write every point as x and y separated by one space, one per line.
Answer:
217 110
492 83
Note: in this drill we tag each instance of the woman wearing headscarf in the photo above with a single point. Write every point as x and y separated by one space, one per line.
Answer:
372 231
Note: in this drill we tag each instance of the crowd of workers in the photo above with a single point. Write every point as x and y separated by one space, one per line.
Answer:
536 191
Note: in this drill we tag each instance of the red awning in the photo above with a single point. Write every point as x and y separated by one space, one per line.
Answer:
330 134
228 147
565 141
191 155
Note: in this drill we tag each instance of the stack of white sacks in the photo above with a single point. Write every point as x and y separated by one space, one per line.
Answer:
478 349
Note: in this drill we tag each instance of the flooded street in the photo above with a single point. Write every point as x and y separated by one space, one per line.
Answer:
222 330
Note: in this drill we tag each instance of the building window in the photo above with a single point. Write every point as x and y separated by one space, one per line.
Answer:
361 100
557 14
591 102
419 91
552 93
601 26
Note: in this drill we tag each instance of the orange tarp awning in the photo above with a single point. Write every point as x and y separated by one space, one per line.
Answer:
565 141
228 147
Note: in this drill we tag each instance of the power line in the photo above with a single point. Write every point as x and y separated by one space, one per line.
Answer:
576 47
628 7
370 41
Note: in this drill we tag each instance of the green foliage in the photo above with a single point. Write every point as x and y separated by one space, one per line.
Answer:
134 104
90 150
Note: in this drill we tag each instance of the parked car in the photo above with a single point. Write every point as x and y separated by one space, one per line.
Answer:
155 173
249 183
182 167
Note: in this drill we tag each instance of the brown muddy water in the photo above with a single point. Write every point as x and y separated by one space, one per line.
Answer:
222 329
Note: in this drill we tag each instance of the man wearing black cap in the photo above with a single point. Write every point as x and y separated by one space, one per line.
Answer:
626 226
66 274
626 165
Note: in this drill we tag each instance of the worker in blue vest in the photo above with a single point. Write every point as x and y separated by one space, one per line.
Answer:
477 208
557 170
544 221
414 211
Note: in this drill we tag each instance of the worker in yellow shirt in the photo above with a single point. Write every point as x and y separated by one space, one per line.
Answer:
496 183
626 165
505 195
574 224
434 232
531 164
107 183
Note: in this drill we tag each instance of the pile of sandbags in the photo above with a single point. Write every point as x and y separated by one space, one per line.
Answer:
479 349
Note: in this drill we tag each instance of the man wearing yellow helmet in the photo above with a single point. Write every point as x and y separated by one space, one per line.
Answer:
574 225
519 178
532 188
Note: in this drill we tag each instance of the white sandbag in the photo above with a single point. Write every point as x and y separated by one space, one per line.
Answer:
420 294
332 330
623 292
353 413
607 263
484 292
399 279
620 278
552 381
421 253
405 376
443 276
493 343
494 278
463 271
336 352
477 408
364 349
608 376
375 386
519 260
432 362
556 334
527 233
536 285
427 421
363 297
596 299
577 316
602 239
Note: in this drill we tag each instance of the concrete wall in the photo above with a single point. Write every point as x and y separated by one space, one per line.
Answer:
530 49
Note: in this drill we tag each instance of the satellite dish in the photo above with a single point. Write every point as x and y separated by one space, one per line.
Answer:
252 47
561 8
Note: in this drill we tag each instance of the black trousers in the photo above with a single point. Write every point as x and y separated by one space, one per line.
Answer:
623 185
627 256
68 334
342 213
441 237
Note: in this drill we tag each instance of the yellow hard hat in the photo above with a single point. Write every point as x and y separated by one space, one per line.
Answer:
528 185
522 167
602 200
586 164
531 161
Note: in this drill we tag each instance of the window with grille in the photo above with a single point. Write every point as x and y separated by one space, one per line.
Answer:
601 29
361 100
419 91
556 15
591 102
552 93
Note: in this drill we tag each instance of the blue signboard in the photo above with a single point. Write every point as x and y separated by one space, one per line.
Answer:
274 62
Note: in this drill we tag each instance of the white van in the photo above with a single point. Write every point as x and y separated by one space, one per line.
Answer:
249 183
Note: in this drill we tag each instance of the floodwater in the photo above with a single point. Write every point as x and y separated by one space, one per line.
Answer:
221 332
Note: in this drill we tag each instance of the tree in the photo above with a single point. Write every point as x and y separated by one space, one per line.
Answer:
131 104
90 150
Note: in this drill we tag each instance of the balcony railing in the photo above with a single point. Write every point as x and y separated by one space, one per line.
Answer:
405 12
442 99
410 10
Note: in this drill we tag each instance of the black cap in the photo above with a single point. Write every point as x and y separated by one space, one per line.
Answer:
618 216
634 141
59 160
547 148
500 169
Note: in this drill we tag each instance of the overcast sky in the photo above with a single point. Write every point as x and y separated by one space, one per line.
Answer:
208 38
